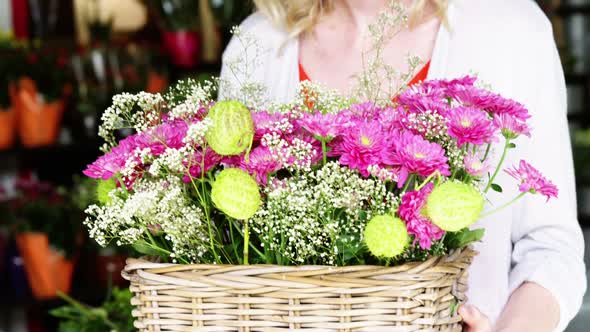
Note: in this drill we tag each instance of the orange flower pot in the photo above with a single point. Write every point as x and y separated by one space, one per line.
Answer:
7 128
38 122
47 270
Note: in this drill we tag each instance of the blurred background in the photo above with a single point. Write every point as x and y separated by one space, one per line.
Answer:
61 61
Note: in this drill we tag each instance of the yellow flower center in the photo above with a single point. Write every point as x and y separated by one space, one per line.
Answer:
477 165
365 141
419 155
465 123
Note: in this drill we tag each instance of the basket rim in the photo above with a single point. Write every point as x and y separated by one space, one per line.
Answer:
134 264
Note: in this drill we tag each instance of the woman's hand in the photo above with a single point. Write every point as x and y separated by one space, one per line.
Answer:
474 320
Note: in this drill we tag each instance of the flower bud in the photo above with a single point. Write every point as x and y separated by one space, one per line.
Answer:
232 128
453 206
236 194
386 236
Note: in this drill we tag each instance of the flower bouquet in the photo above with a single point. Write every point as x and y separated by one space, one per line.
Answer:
324 214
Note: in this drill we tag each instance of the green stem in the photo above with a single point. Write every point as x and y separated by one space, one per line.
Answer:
428 179
324 151
504 206
506 144
246 241
488 149
409 180
206 211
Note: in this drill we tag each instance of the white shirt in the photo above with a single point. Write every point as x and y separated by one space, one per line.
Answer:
509 44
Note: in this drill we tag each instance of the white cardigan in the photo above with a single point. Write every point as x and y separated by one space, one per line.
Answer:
509 44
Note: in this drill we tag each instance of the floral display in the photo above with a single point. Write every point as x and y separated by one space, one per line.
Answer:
322 180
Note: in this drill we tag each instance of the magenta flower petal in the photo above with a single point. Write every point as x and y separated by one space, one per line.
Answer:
416 155
471 125
410 211
361 146
531 180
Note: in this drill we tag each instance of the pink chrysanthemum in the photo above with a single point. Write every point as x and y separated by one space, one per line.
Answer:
415 155
510 126
531 180
261 163
326 126
423 98
410 211
167 135
489 101
474 166
471 125
447 85
361 146
112 162
209 161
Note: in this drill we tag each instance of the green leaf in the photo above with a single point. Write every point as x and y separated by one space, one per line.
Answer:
144 248
454 307
496 187
511 146
463 238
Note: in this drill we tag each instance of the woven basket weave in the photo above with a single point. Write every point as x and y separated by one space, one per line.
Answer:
406 298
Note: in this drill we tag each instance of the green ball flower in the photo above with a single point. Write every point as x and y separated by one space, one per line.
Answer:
232 129
103 188
236 194
453 206
386 236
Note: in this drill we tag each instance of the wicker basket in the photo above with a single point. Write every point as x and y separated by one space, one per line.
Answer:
411 297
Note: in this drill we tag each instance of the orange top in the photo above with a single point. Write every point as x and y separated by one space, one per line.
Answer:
421 76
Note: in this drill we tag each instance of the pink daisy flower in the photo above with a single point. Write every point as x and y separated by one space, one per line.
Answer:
531 180
511 127
211 159
470 125
475 167
114 161
410 211
446 85
261 164
167 135
416 155
423 98
325 126
489 101
361 146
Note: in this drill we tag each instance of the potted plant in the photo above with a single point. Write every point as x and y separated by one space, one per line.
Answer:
45 236
7 71
179 23
39 95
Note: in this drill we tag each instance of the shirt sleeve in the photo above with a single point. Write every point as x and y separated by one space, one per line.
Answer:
548 246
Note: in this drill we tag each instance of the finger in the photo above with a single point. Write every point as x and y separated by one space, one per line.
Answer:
474 320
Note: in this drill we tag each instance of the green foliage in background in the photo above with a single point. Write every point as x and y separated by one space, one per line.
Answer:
113 315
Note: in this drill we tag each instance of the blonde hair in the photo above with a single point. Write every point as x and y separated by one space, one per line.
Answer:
300 16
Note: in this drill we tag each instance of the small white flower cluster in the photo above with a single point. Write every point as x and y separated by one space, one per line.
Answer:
196 132
123 114
251 93
314 216
196 96
296 155
117 116
154 204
